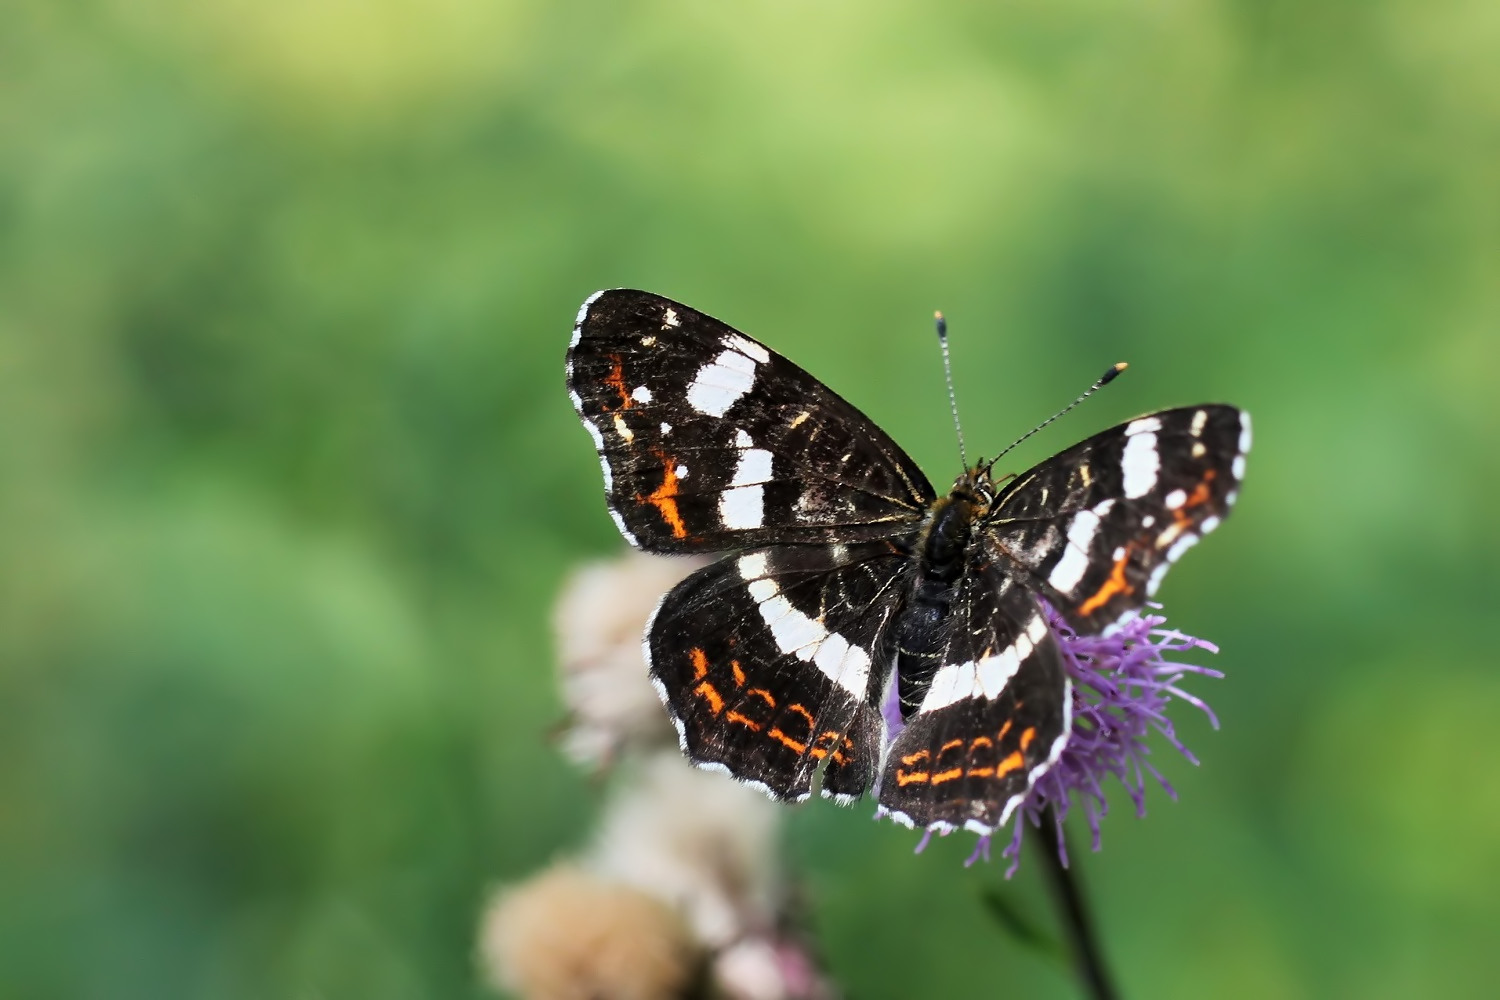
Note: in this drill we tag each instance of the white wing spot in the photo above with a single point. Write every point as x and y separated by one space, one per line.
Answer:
720 383
840 661
680 472
743 507
1075 558
988 676
669 318
641 394
1184 543
649 340
1140 461
1176 499
749 348
623 429
754 467
1244 432
1238 467
666 428
1209 524
752 566
1144 425
1199 420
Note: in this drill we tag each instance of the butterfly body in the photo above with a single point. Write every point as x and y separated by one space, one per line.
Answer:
847 574
940 557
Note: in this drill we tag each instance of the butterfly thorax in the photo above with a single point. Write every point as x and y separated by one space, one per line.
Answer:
941 555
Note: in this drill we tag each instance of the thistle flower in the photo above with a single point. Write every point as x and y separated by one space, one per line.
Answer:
705 845
567 934
1122 685
597 624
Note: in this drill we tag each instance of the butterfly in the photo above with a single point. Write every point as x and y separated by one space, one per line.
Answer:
850 582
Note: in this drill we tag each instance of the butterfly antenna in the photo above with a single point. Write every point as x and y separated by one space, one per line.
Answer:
1104 380
942 332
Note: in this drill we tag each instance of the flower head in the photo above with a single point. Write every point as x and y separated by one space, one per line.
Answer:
1122 685
566 932
597 623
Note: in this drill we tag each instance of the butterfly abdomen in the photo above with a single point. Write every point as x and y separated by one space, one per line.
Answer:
941 554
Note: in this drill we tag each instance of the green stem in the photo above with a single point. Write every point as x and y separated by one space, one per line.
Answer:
1078 926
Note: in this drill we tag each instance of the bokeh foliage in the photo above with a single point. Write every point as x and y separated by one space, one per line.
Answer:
288 477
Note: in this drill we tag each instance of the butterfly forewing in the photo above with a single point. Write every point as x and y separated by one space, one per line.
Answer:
1096 527
711 441
770 663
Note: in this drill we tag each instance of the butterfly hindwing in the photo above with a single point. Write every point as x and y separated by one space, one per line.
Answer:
711 441
993 718
1096 527
769 663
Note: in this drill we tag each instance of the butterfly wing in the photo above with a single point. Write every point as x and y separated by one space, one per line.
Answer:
711 441
770 663
993 718
1096 527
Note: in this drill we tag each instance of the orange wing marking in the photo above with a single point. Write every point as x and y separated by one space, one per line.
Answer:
787 741
1114 585
700 662
1012 763
1201 495
711 694
796 746
832 739
1201 492
763 693
664 497
1027 735
745 721
948 775
616 381
904 778
739 676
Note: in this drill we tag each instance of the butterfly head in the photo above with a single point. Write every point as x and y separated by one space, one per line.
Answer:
975 487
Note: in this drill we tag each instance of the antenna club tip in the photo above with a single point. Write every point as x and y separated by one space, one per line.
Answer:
1121 365
942 324
1114 370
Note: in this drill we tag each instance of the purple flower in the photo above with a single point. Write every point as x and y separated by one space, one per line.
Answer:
1122 685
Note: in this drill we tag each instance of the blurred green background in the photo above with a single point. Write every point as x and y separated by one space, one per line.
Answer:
289 478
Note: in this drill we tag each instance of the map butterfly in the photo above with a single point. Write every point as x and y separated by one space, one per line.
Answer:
848 575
